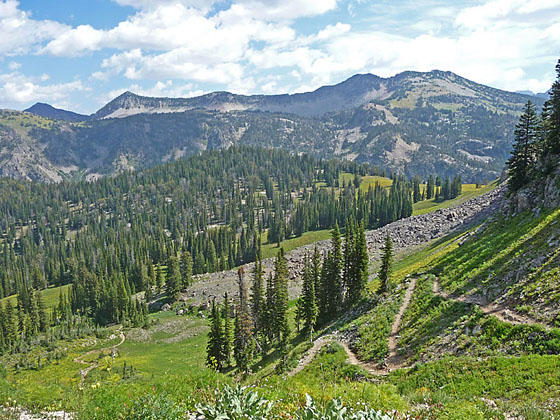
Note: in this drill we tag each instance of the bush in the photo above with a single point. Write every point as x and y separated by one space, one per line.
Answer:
236 404
335 410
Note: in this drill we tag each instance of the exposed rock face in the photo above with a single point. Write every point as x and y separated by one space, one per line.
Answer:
414 123
405 234
542 192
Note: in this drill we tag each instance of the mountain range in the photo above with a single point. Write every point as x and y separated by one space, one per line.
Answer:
416 123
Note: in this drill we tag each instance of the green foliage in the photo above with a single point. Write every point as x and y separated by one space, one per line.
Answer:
386 265
335 410
236 403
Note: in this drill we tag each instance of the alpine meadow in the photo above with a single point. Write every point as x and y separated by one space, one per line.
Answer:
265 209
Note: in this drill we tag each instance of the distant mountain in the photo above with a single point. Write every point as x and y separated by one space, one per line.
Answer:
351 93
414 123
48 111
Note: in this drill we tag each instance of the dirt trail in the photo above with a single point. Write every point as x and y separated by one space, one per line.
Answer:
502 313
92 365
394 361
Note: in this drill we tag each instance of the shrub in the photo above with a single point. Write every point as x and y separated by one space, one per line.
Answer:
335 410
236 403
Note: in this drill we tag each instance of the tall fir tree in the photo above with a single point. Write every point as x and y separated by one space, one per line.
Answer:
228 331
243 342
257 296
331 278
309 309
186 268
362 263
552 145
173 279
215 346
523 156
281 277
386 265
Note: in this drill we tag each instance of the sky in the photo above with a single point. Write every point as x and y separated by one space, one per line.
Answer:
80 54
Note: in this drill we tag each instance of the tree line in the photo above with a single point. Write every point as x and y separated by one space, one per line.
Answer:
331 283
537 141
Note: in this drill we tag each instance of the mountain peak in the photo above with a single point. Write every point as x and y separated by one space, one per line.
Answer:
48 111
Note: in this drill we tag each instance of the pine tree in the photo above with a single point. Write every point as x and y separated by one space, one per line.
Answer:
228 332
281 275
159 279
349 270
331 278
523 155
42 311
552 145
362 262
386 265
257 295
186 269
173 279
430 188
215 346
316 272
309 309
243 342
270 311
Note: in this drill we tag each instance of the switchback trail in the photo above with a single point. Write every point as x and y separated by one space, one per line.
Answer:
394 361
92 365
502 313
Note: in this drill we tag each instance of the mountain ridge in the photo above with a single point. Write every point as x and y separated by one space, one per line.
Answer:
414 123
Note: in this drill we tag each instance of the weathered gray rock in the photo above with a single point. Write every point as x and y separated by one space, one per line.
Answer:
405 234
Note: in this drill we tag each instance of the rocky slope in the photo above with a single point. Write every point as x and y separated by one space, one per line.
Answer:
416 123
406 234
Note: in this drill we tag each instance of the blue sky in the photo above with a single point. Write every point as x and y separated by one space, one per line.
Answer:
79 54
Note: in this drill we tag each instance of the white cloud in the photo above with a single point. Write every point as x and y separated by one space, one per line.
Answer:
500 11
166 88
18 89
19 33
14 66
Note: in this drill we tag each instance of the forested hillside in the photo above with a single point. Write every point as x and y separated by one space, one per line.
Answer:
413 123
149 230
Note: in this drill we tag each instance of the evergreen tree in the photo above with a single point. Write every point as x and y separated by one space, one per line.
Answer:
386 265
173 279
186 268
215 346
243 342
257 296
42 311
523 154
362 262
552 145
281 276
309 310
316 272
430 188
331 278
228 331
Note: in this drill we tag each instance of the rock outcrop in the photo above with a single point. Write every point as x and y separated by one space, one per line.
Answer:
405 234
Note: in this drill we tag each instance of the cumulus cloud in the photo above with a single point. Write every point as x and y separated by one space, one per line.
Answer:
162 88
19 89
257 46
19 33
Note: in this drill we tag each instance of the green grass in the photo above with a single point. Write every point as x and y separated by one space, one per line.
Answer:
469 191
516 258
519 383
271 250
50 296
